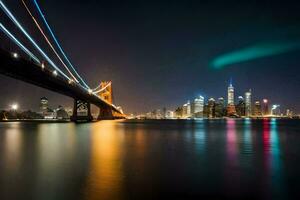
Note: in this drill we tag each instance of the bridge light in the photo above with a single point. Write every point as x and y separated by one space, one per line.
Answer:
54 73
15 55
43 66
71 81
90 91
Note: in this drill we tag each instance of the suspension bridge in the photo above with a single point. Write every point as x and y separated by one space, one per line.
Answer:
34 66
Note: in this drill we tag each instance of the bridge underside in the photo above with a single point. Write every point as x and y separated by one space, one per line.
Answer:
29 72
82 112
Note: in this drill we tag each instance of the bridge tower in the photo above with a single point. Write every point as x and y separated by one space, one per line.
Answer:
81 111
107 95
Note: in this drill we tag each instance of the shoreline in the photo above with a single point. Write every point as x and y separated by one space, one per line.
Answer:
36 120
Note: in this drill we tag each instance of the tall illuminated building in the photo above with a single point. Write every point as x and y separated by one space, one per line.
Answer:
265 107
44 105
188 109
248 108
211 108
197 107
184 110
240 107
230 102
220 107
257 109
275 111
230 93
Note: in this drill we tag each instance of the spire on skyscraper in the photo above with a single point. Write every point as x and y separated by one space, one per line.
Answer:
230 82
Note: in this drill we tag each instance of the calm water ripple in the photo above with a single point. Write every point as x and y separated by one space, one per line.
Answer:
209 159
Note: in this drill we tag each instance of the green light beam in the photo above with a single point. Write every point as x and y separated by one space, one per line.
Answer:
254 52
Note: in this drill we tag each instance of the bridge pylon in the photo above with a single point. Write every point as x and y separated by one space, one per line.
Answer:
81 111
105 113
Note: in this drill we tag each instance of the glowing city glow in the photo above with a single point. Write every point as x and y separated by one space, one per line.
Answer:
14 106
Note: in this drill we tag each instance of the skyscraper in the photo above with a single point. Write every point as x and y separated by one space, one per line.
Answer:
44 105
265 107
188 109
197 107
257 109
211 108
240 107
248 108
230 93
184 110
220 110
230 103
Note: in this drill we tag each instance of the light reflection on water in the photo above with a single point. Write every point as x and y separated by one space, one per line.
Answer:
149 159
105 174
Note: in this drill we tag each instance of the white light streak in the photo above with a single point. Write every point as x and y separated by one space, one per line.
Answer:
47 40
15 21
17 42
102 89
57 43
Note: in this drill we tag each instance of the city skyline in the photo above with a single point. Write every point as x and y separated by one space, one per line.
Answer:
245 106
231 99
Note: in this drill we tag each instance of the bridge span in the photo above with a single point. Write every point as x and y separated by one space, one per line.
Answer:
39 75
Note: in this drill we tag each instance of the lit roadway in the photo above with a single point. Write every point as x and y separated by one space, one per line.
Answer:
28 71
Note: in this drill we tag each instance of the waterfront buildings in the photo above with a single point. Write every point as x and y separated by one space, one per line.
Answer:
211 108
257 109
45 111
240 107
265 107
179 112
275 111
197 107
230 93
248 106
61 113
220 110
230 102
43 105
186 110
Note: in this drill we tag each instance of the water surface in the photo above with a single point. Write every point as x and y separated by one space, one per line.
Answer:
208 159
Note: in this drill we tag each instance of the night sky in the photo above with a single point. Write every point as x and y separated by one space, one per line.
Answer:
161 53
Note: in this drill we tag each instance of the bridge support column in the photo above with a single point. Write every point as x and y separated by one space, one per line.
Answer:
81 111
105 113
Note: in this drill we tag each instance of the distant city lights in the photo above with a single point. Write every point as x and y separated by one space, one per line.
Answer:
14 107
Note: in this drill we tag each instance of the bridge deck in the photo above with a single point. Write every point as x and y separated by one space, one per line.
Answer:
32 73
